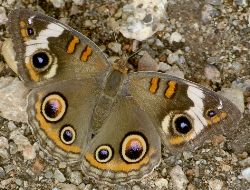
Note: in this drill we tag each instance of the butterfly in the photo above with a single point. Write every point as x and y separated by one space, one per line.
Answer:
106 119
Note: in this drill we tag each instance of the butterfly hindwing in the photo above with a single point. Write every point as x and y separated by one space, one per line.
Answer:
60 115
126 148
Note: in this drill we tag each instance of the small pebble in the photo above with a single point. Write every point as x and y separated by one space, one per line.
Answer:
212 73
58 3
115 47
178 178
245 162
2 173
161 183
4 143
245 174
76 177
215 184
58 175
175 37
3 16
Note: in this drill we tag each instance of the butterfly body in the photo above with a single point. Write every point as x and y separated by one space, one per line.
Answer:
109 121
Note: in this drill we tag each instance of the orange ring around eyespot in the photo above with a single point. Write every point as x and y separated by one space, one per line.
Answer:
53 134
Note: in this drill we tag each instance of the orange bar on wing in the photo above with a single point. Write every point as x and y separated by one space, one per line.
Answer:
170 89
72 44
154 84
86 53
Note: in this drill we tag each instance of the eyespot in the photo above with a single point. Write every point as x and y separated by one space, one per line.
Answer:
54 107
67 134
134 147
41 61
30 31
182 124
104 153
211 113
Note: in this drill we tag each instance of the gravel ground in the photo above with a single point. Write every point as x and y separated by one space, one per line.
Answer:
205 41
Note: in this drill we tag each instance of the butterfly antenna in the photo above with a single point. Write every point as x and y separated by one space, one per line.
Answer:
135 53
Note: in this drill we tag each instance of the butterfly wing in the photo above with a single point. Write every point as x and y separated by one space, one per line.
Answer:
126 148
184 113
60 115
49 50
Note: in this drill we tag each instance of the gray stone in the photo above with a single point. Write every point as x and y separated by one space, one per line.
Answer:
147 63
215 184
245 174
66 186
4 143
2 173
245 162
13 107
236 96
161 183
3 16
243 3
58 175
4 154
175 37
11 126
58 3
76 177
115 47
215 2
23 144
19 182
142 18
212 73
178 178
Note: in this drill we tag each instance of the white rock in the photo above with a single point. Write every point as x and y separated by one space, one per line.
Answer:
4 154
244 163
245 174
3 16
11 126
115 47
4 142
13 95
175 37
212 73
78 2
65 186
235 95
23 144
178 178
164 67
58 3
176 57
76 177
161 183
29 152
175 71
58 175
215 184
144 18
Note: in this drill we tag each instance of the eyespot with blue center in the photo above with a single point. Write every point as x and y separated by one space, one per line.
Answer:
54 107
67 134
41 60
134 147
104 153
182 124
